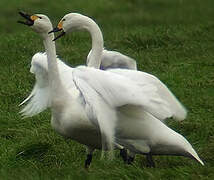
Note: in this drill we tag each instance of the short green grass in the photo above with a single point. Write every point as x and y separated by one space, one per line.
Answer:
173 40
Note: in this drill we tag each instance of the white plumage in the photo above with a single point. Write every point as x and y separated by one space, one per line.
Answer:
110 87
114 59
178 110
75 21
90 107
39 99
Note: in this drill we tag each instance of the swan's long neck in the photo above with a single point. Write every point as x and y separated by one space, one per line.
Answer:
97 43
53 72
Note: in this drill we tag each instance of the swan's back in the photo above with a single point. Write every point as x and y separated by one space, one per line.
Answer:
114 59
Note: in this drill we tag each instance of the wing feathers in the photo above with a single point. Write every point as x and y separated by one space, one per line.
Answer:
178 110
118 90
104 116
38 101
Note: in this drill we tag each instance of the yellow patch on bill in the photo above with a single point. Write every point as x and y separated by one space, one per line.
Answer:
59 26
34 17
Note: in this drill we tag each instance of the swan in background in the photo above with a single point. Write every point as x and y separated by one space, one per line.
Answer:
82 109
75 21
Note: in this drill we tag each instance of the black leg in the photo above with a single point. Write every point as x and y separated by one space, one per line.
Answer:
88 161
123 154
150 162
130 160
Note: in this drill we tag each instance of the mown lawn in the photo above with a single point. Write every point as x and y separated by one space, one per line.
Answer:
173 40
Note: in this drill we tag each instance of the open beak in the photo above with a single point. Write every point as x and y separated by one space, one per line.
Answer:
57 29
29 20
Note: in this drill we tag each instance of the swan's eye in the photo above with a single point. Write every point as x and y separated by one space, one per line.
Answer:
39 17
63 19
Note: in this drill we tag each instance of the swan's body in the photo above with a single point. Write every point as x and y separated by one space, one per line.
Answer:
154 142
75 21
82 111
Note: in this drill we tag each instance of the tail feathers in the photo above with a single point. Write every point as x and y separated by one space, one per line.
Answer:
195 156
178 110
180 115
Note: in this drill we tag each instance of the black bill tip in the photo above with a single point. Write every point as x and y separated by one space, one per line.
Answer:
56 29
28 21
60 35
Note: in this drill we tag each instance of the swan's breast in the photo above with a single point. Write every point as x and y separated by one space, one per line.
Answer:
71 121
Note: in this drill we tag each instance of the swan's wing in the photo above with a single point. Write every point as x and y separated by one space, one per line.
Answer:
98 111
37 101
39 98
113 59
179 111
118 90
105 92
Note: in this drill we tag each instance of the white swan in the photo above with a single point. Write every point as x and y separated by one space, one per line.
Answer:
75 21
80 112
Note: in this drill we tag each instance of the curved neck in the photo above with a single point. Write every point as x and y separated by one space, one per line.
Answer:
53 72
97 43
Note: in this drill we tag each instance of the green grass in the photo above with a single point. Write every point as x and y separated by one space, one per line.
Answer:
173 40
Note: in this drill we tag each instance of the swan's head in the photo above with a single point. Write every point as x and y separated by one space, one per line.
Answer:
72 22
40 23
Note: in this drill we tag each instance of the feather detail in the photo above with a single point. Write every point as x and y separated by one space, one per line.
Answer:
37 101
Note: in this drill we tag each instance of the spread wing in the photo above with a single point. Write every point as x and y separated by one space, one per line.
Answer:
39 98
178 110
118 91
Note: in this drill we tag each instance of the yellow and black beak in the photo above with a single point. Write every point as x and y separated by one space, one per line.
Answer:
57 29
29 19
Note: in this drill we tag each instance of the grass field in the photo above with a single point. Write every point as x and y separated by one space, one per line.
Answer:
173 40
